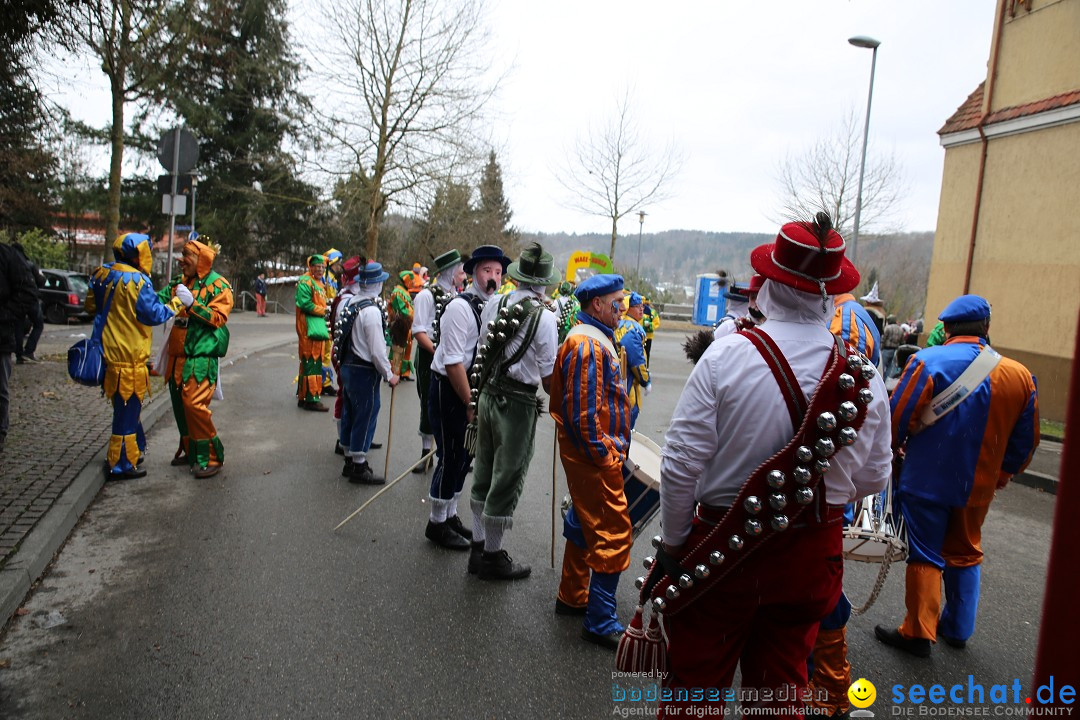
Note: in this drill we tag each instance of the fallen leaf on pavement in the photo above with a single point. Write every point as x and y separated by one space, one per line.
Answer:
49 394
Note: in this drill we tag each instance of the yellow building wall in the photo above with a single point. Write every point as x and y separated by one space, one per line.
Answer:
1027 70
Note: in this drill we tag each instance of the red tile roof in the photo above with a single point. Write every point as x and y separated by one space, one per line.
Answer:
967 115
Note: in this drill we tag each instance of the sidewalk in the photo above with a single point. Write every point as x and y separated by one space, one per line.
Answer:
51 466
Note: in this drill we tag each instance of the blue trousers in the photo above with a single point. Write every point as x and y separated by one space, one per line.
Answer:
360 403
448 418
126 426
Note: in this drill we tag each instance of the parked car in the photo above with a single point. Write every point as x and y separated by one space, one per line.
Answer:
63 294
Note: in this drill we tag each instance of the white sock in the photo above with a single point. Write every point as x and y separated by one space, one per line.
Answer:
477 508
451 509
426 441
359 458
438 509
493 530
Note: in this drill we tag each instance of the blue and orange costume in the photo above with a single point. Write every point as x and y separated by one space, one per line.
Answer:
133 307
853 323
630 335
592 415
951 470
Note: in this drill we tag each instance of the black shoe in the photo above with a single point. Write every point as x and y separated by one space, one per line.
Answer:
375 446
313 406
611 641
499 565
338 450
456 525
126 475
348 469
476 556
362 474
140 461
329 391
444 536
562 608
919 647
422 467
953 642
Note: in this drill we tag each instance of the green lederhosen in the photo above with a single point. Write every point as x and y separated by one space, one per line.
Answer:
506 425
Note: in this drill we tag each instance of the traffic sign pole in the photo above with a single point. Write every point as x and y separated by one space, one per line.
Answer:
172 205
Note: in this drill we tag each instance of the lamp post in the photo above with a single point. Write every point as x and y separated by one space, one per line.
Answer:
863 42
641 224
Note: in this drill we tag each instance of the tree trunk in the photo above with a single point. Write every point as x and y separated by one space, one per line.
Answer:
116 137
614 235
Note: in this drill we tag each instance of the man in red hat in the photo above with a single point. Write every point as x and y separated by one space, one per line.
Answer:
745 402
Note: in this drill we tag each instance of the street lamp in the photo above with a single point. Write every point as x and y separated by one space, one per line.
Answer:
641 224
863 42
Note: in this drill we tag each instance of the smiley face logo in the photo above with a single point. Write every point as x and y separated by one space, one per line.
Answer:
862 693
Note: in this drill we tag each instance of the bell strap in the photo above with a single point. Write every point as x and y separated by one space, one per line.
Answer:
781 370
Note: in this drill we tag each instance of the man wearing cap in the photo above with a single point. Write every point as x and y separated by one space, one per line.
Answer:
631 337
966 420
428 306
746 402
853 323
449 396
592 414
199 338
508 373
400 318
331 285
737 296
650 320
312 334
363 363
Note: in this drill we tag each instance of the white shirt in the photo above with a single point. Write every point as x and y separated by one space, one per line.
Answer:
423 319
539 359
735 309
458 335
368 341
731 416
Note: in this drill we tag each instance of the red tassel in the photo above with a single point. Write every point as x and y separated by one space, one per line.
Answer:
640 650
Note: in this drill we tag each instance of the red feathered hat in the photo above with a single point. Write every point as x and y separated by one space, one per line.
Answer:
808 257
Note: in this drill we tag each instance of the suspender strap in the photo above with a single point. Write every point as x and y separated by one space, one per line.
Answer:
785 378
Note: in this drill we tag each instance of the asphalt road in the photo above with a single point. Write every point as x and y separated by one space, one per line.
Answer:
232 597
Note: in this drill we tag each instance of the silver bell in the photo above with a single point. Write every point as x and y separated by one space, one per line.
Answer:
825 447
802 475
489 338
752 505
780 523
519 310
854 361
826 421
515 323
686 582
804 496
656 540
475 377
753 528
775 478
501 325
778 501
845 381
803 454
503 312
701 572
716 557
866 396
848 411
672 592
735 542
659 604
822 466
867 371
847 436
648 562
474 393
639 583
500 336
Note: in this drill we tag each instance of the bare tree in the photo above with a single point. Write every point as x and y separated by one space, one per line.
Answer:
409 95
826 177
610 172
128 38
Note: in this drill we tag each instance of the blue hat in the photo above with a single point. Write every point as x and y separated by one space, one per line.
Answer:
486 252
371 274
966 308
635 299
598 285
740 292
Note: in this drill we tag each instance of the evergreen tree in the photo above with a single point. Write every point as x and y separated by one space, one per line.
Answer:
493 213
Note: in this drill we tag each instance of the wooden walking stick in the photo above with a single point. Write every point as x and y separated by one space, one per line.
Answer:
396 355
389 485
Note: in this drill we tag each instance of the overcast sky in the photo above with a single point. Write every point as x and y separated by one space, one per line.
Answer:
738 86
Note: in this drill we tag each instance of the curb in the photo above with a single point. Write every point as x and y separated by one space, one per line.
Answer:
1037 480
51 532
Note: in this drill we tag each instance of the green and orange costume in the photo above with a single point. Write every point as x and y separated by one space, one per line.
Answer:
401 312
310 304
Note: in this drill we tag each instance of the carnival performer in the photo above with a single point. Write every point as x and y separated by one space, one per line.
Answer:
567 307
427 310
967 420
736 309
650 320
743 405
197 340
852 323
348 287
123 291
363 362
312 333
401 315
592 416
331 283
450 394
631 337
507 374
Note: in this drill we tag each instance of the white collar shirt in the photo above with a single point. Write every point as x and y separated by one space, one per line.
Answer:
368 340
458 335
539 359
424 309
731 418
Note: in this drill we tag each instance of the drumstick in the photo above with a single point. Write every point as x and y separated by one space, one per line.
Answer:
554 457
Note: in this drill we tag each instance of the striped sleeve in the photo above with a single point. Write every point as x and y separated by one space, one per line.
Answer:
912 394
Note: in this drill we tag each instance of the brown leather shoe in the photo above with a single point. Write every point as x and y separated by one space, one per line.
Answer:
180 460
315 407
208 471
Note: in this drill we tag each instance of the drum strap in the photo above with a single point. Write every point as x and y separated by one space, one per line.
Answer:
785 378
950 398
